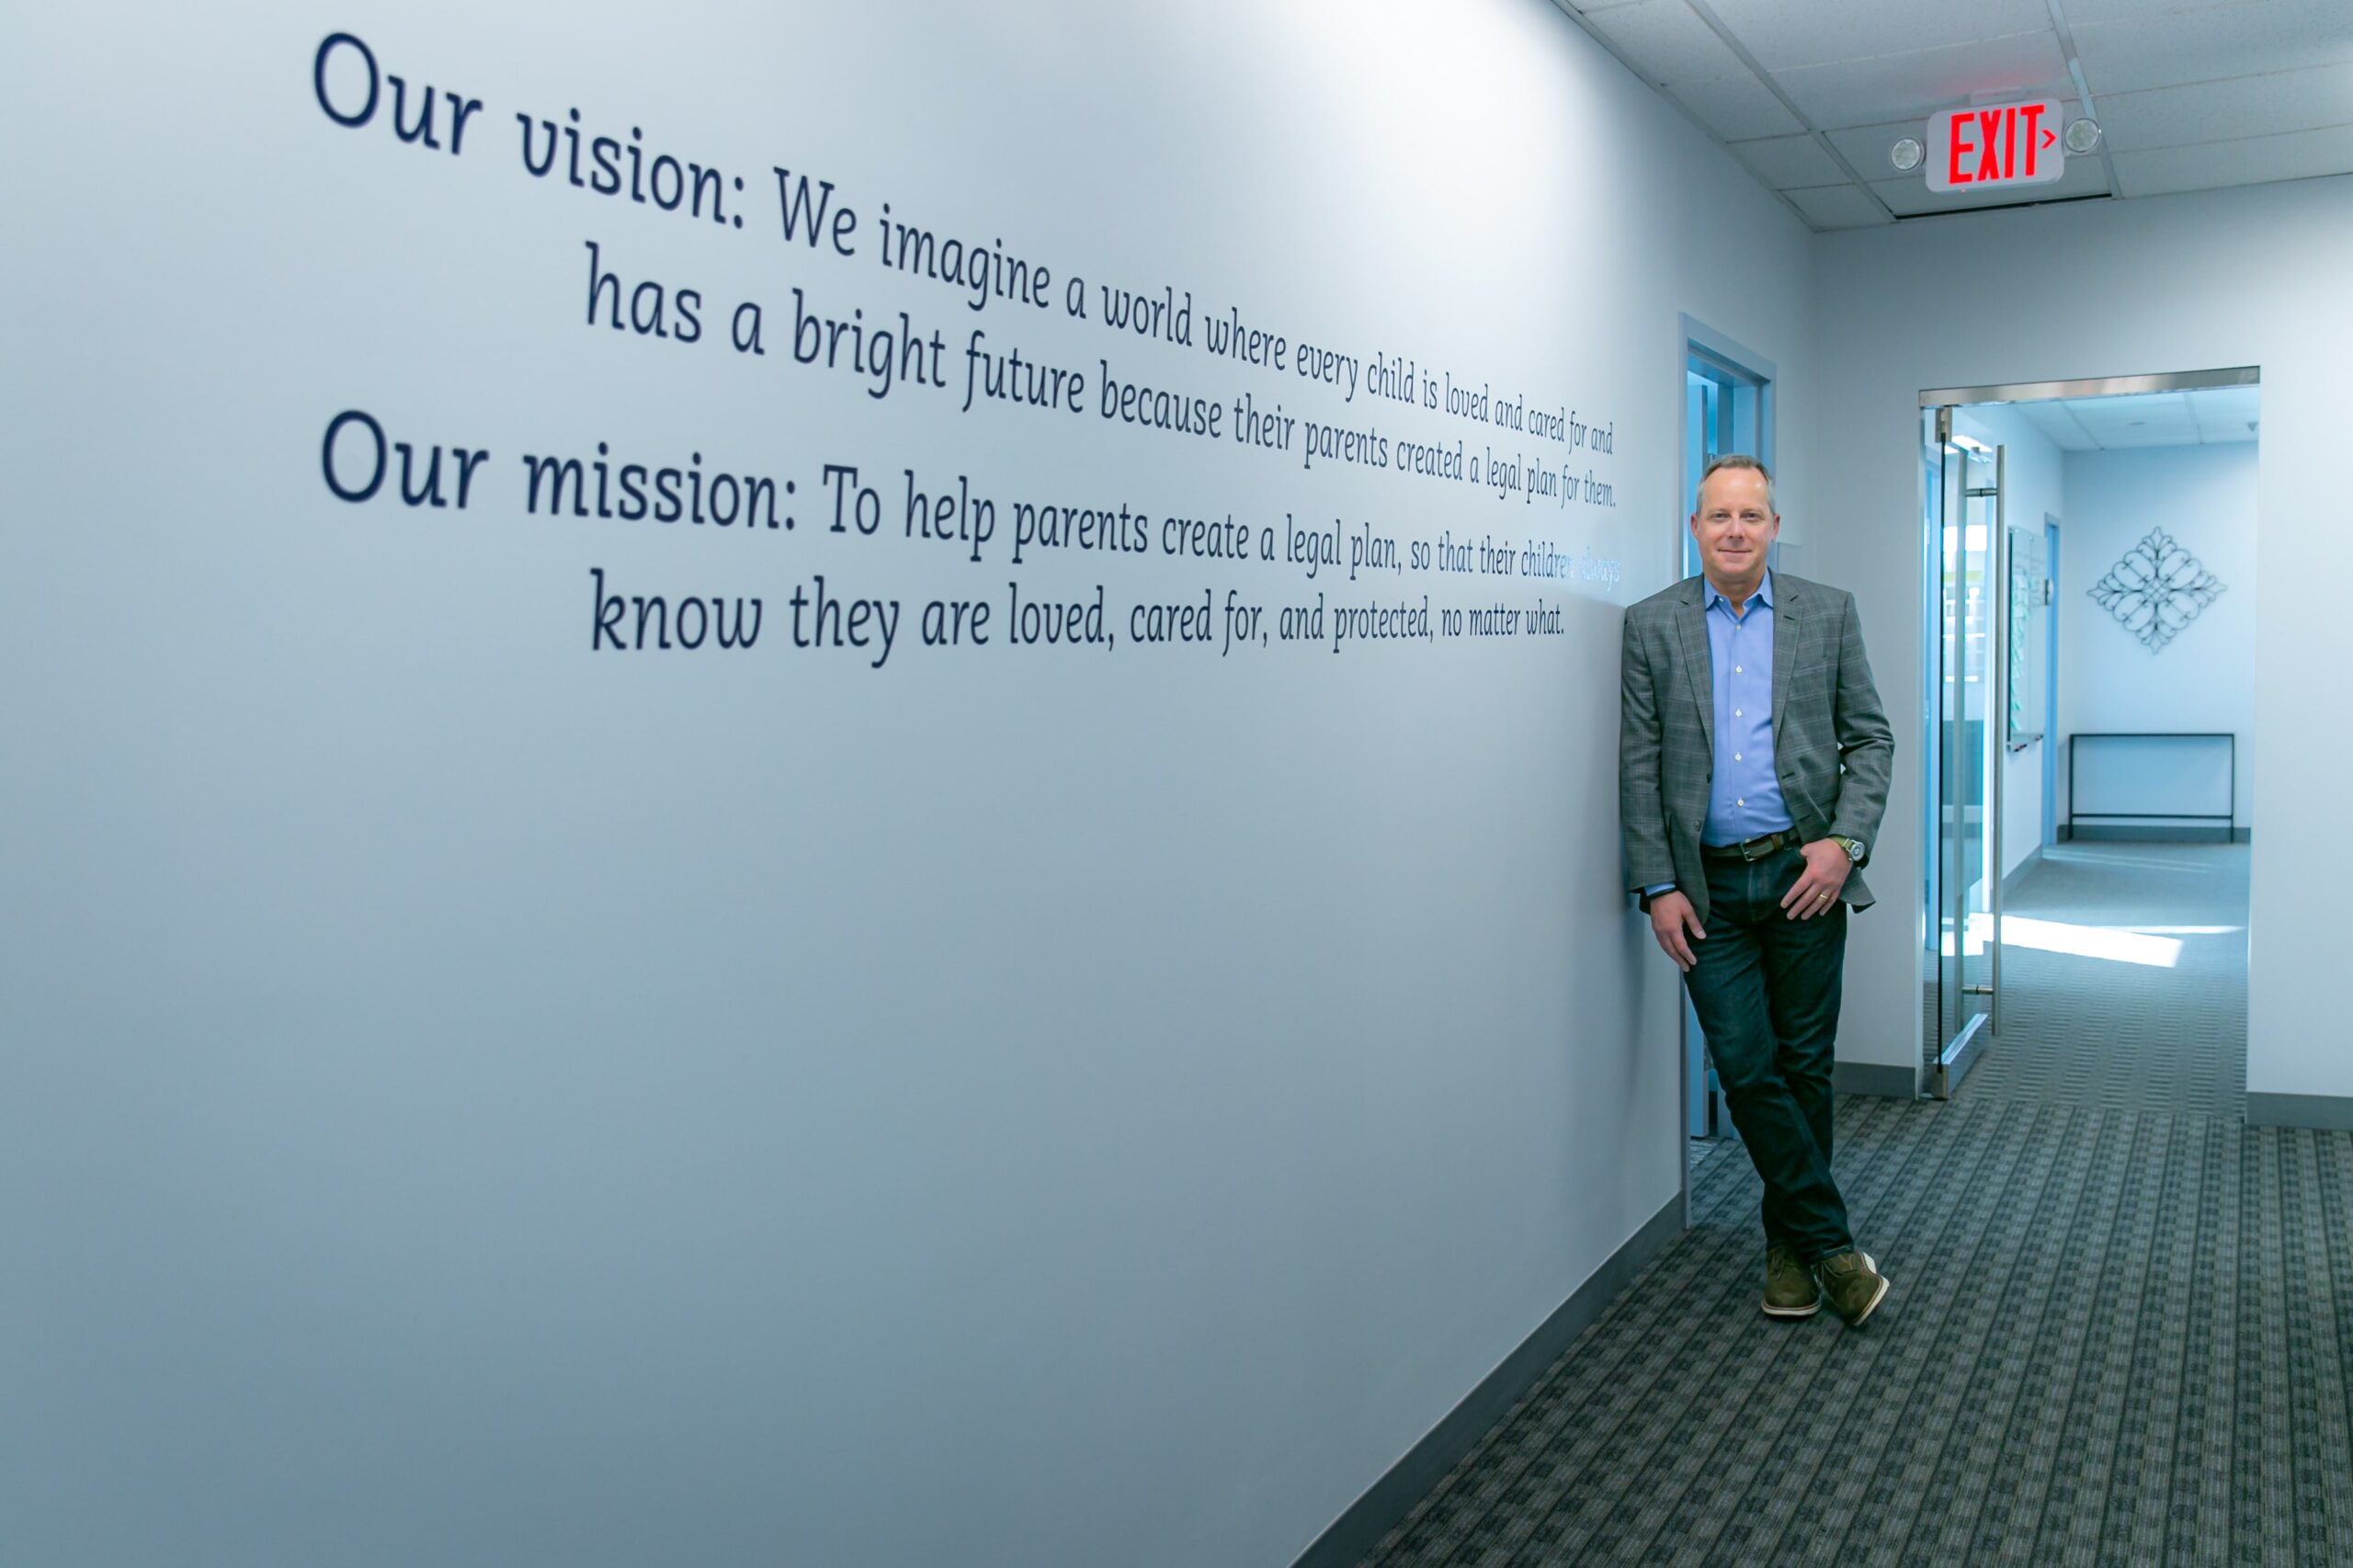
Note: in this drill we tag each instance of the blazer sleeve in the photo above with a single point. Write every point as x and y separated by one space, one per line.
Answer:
1642 813
1865 743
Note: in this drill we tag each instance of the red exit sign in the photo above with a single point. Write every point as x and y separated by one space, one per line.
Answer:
1994 145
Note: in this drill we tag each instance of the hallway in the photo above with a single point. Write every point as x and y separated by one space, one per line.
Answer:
2126 969
2122 1325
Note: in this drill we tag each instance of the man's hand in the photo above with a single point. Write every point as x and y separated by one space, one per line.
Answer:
1672 917
1827 869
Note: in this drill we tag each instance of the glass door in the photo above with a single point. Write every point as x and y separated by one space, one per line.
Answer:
1968 710
1726 408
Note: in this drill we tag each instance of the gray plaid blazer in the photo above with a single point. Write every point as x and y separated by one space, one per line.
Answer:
1831 742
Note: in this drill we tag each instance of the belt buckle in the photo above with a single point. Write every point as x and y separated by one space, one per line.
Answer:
1756 849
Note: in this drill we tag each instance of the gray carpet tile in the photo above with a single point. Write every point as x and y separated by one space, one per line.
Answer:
2104 1031
2122 1331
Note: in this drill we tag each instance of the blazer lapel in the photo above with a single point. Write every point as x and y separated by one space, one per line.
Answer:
1691 624
1789 625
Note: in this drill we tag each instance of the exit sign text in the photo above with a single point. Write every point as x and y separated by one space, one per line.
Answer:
1996 146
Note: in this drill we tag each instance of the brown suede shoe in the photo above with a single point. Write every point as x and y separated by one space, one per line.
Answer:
1854 1284
1788 1285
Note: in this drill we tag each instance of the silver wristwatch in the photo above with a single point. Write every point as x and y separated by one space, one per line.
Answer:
1853 846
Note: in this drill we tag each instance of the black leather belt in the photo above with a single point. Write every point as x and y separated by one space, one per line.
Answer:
1754 848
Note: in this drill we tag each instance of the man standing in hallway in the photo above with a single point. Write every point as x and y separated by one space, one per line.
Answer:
1752 766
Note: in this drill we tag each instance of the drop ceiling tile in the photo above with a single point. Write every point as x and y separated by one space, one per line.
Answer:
2080 441
2129 440
2152 435
2127 405
2166 432
2134 406
2254 160
1912 84
2080 12
1866 146
1665 41
1735 108
2217 112
1783 36
1838 207
2253 38
2054 420
1785 161
2224 414
2228 402
2046 413
2103 415
1909 196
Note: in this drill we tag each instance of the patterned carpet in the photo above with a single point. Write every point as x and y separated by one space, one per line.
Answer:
2121 1330
2138 1036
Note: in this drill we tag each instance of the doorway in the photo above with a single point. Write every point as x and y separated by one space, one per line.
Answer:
2114 487
1727 407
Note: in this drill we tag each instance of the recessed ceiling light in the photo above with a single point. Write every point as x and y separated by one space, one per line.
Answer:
2082 137
1906 155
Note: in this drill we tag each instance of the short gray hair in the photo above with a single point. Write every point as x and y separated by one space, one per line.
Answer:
1739 460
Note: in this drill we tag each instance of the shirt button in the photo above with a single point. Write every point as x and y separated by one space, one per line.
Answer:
1736 756
1740 802
1739 670
1736 712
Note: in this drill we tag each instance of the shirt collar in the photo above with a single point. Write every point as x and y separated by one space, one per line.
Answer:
1764 595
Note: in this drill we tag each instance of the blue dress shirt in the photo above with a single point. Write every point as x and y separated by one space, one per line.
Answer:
1745 798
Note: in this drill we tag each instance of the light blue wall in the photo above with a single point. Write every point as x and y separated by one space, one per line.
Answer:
474 1097
2202 681
2221 278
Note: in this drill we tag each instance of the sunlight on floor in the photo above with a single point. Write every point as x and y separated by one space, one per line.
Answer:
2139 862
2091 942
2115 945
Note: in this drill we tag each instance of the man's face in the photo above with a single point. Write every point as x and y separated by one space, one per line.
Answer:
1734 526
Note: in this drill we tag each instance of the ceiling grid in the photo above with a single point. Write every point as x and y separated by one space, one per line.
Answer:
2206 416
1810 98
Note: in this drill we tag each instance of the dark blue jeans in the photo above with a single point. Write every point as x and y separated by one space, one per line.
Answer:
1767 988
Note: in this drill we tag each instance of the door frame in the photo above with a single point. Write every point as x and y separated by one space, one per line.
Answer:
2053 530
1936 1081
1950 1045
1699 341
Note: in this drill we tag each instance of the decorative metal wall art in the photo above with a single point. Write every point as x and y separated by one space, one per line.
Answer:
2157 590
